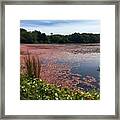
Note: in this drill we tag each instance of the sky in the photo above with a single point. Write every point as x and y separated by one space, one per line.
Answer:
61 26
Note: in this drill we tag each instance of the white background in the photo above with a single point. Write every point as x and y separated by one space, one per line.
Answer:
13 104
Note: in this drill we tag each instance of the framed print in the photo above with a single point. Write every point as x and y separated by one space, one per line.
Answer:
59 60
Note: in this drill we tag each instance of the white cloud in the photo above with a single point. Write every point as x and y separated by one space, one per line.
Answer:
68 28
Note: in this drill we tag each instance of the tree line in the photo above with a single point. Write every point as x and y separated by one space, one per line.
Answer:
29 37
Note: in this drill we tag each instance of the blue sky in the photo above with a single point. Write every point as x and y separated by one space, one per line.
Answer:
61 26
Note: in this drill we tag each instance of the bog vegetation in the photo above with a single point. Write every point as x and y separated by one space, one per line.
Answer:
30 37
32 87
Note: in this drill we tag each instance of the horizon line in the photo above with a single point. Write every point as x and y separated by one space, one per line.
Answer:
60 33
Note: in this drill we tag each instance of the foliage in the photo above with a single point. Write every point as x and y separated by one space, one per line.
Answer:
36 89
38 37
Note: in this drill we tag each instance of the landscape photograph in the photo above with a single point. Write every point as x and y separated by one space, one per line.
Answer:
59 59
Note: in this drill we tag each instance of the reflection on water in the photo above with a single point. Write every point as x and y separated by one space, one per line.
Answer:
83 64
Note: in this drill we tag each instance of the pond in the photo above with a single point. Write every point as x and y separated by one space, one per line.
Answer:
67 62
83 64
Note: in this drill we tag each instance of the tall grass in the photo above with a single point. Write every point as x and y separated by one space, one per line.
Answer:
32 65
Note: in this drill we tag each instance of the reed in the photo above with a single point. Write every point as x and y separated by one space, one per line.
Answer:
32 65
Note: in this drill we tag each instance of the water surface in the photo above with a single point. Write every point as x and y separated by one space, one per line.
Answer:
82 59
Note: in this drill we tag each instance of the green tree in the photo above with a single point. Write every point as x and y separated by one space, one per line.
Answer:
38 37
25 37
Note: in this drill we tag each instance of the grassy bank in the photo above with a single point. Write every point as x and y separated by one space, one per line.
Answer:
37 89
